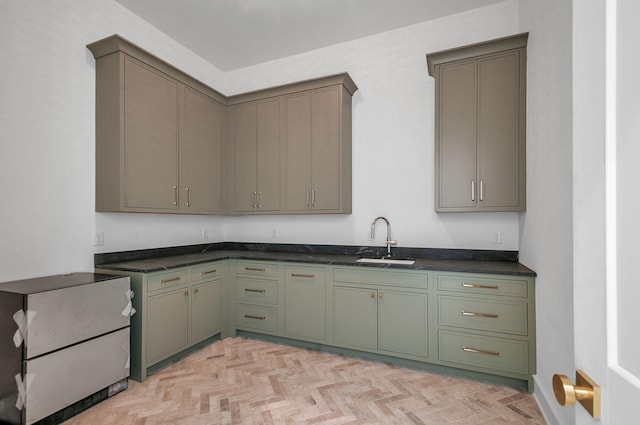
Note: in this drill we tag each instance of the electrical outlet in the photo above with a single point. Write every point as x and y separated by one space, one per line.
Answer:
497 237
274 233
98 239
205 233
368 236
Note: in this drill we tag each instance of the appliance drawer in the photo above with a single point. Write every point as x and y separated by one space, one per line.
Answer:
64 377
497 316
263 318
66 316
485 352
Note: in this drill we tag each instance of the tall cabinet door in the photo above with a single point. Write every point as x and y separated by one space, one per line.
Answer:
201 138
325 152
150 138
456 144
243 130
298 152
498 130
268 155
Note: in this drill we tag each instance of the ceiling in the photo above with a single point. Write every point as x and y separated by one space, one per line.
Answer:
233 34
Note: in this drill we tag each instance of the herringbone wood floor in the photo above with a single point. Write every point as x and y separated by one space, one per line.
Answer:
244 381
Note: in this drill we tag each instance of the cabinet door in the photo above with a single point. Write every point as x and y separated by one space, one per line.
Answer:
355 317
456 141
304 302
243 122
206 310
201 138
268 155
498 130
325 151
402 323
150 138
256 156
167 321
298 152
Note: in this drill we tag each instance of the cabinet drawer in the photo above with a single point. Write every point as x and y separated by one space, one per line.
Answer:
394 278
167 280
483 285
258 269
510 317
256 290
206 272
485 352
263 318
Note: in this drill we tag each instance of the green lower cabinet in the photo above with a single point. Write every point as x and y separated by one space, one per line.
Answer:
389 321
402 322
305 302
355 317
206 310
167 316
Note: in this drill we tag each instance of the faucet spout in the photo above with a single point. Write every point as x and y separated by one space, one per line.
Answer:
389 240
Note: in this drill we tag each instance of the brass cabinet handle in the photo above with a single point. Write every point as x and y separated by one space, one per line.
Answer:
175 195
380 296
255 269
308 194
195 291
476 286
248 316
262 291
173 279
208 272
476 351
481 195
470 313
188 196
186 293
473 191
313 197
373 295
311 276
259 199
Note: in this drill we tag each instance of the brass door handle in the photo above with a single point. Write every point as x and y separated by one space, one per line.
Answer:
585 391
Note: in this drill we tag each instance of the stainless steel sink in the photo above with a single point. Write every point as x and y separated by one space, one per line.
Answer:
385 260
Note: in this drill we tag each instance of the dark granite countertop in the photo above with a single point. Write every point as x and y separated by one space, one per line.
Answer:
470 261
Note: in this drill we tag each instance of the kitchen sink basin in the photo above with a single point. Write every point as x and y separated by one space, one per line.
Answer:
385 260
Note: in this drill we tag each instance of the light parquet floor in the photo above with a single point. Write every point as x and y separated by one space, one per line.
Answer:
245 381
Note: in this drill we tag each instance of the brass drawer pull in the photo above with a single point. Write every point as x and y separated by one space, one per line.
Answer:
173 279
248 316
311 276
476 286
473 350
208 272
255 290
255 269
470 313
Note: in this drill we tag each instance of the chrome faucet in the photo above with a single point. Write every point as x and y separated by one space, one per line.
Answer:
389 241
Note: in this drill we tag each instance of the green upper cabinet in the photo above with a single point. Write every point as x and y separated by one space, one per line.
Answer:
159 135
480 100
254 136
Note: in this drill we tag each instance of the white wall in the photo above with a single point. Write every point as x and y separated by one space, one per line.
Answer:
392 137
48 221
547 226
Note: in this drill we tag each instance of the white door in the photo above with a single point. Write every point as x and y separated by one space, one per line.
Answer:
607 205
